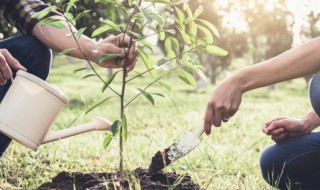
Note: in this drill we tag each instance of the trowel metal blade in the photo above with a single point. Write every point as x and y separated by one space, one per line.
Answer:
174 152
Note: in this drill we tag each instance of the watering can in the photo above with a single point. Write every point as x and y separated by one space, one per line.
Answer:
30 107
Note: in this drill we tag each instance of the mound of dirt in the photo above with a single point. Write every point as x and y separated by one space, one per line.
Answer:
138 179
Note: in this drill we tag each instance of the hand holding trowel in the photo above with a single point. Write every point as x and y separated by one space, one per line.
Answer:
175 151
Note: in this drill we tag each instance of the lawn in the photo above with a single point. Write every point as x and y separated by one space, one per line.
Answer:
227 159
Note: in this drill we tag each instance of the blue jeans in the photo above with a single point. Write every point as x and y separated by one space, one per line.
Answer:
295 162
34 56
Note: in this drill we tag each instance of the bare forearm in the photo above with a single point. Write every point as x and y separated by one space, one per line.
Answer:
60 39
311 120
297 62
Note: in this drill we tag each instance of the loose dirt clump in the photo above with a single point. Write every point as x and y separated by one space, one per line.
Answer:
136 180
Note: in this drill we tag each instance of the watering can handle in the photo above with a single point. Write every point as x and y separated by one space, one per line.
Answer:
98 123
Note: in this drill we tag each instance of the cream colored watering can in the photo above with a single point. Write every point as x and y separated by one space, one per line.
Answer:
29 109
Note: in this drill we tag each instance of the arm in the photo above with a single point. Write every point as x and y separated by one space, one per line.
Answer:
226 98
281 128
297 62
58 40
20 14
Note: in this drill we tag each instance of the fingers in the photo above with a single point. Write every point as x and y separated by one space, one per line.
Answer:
14 64
131 66
123 40
208 117
5 70
276 132
7 61
217 118
275 119
280 137
275 125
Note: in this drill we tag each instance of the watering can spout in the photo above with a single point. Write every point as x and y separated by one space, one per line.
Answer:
97 123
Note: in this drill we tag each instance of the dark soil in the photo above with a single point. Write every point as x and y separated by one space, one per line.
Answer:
136 179
159 161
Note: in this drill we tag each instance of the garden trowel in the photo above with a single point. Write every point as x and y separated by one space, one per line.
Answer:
175 151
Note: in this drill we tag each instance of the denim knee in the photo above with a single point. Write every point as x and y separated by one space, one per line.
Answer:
31 53
272 166
39 57
267 165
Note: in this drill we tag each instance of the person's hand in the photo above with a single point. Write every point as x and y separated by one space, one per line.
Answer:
8 62
117 45
223 104
282 127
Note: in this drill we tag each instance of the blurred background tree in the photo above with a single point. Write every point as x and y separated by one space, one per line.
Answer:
251 30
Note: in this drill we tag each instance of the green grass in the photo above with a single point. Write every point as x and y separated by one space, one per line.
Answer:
227 159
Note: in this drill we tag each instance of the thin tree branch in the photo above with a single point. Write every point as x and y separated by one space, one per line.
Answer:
161 64
85 56
152 84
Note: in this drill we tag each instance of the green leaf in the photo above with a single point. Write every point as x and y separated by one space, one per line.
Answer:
48 20
207 33
187 78
70 18
180 14
82 14
66 51
193 29
161 1
81 69
195 69
87 76
162 61
107 140
104 1
52 22
146 95
162 35
215 50
112 24
97 105
166 86
124 127
108 81
210 26
185 37
189 12
202 75
158 94
70 5
107 57
80 32
198 12
136 35
168 45
147 44
57 24
100 30
44 12
176 44
130 2
146 15
189 65
148 62
173 58
115 127
157 18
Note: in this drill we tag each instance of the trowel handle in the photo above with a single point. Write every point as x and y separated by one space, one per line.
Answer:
199 132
